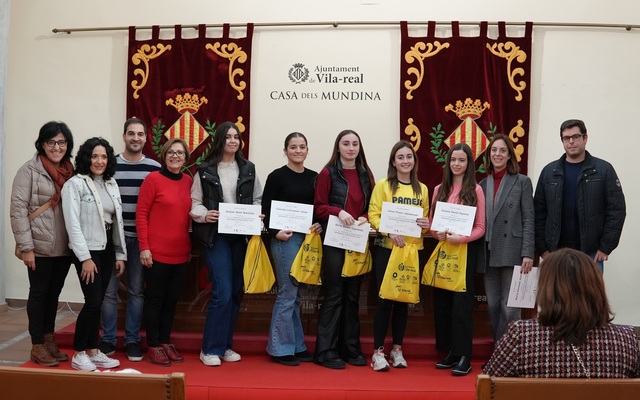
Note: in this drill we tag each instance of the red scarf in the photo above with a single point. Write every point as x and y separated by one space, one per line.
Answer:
60 174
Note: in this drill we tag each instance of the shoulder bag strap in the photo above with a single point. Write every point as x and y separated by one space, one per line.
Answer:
39 210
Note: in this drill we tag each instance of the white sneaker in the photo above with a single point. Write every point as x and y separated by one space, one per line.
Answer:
231 356
397 359
210 360
82 362
378 360
101 360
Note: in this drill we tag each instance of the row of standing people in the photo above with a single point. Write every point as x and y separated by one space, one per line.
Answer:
79 221
579 208
343 188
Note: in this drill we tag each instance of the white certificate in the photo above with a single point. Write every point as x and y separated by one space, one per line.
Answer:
523 288
240 219
295 217
455 218
400 219
352 237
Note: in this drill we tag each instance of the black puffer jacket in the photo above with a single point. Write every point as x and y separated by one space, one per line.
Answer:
601 206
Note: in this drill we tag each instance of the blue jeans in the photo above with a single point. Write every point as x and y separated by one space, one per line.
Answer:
135 298
600 264
285 335
497 284
225 260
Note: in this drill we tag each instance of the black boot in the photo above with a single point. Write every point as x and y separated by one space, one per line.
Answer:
449 361
463 367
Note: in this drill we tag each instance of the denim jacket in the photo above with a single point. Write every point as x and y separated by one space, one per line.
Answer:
84 217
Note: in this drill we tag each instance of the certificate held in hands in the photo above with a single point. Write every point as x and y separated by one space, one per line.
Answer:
289 216
454 218
239 219
400 219
349 237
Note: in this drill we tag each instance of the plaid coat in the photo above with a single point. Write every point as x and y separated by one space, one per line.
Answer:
526 350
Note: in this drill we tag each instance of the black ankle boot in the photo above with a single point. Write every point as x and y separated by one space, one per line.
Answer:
463 367
449 361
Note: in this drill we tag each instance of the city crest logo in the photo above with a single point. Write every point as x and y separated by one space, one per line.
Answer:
298 73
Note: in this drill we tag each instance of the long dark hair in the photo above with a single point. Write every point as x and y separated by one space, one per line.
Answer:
571 296
392 171
219 140
512 164
50 130
468 192
83 159
361 159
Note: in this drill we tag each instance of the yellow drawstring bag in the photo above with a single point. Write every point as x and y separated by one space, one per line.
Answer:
356 263
308 262
258 272
401 280
447 267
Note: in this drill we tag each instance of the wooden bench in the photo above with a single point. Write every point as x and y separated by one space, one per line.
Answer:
51 384
494 388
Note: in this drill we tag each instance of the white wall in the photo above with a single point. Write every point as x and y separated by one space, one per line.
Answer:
577 73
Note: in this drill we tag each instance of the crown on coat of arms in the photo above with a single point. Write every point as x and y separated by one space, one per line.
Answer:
469 108
187 102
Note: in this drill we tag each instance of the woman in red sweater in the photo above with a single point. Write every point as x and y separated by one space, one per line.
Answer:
162 220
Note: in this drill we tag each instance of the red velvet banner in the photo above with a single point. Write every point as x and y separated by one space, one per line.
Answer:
186 87
463 89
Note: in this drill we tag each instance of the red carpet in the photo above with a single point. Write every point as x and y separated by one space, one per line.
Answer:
258 378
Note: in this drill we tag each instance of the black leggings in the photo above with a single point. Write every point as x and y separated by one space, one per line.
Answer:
88 323
387 309
338 322
45 285
163 283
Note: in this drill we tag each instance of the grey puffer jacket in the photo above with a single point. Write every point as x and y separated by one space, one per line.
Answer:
46 234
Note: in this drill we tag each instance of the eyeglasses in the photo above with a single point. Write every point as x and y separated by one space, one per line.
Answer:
53 143
572 138
172 153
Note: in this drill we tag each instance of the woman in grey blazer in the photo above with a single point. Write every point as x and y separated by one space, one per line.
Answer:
509 229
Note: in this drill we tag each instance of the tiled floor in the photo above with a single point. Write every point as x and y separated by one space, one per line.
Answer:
15 342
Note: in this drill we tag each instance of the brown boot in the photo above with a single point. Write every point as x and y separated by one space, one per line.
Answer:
40 355
52 347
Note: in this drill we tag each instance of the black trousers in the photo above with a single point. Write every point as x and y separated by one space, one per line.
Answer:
88 322
387 310
338 322
163 283
45 285
453 316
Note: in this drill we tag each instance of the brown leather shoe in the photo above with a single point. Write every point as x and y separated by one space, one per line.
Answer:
172 353
156 355
52 347
40 355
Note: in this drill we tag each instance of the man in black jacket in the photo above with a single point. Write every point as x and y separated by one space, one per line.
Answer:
578 201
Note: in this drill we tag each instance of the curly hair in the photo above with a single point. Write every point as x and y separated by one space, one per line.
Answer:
83 158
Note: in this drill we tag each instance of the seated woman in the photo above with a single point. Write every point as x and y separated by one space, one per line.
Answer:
573 336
